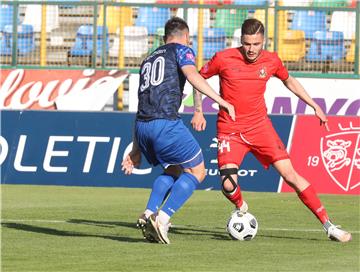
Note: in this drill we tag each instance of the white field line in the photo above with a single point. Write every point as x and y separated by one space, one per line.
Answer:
172 226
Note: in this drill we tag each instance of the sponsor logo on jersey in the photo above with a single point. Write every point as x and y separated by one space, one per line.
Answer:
190 56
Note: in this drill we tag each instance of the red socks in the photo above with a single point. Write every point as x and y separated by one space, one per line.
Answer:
311 200
307 196
235 196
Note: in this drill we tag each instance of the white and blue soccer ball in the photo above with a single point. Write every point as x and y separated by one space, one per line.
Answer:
242 226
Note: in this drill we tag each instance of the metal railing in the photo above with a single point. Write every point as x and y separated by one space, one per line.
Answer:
54 46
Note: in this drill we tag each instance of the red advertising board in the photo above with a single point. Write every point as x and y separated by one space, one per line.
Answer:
39 89
330 160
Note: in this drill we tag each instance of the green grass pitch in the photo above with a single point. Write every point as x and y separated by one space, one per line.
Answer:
55 228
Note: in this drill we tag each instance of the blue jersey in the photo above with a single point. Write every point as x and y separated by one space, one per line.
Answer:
162 82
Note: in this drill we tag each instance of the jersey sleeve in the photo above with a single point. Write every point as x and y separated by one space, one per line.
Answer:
211 68
185 56
281 72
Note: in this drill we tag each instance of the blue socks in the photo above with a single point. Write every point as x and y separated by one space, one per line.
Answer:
160 190
180 193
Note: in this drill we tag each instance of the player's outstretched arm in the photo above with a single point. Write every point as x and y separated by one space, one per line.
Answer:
201 84
198 121
295 86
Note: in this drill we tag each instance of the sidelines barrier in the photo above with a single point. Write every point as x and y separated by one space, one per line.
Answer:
86 149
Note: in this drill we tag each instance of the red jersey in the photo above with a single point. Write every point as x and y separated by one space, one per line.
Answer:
243 84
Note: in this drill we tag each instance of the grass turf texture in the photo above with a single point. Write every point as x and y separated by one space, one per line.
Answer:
50 228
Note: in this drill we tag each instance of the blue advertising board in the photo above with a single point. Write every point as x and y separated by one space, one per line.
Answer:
87 148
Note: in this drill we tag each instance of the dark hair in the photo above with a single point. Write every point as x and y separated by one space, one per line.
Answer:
251 27
174 27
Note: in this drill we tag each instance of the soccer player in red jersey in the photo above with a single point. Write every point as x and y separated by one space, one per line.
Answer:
243 74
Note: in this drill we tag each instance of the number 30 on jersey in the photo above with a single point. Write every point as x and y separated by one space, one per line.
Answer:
153 73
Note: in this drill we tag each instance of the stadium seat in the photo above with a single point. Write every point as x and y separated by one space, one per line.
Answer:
152 18
158 39
295 3
350 55
330 3
250 2
33 17
113 17
326 45
174 2
192 18
282 20
309 21
84 42
212 2
6 15
345 22
135 42
352 3
291 46
230 19
214 41
25 40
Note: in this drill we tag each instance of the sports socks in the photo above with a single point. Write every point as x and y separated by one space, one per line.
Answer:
179 194
311 200
160 189
234 196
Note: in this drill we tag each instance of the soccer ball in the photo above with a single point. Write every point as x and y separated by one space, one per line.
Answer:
242 226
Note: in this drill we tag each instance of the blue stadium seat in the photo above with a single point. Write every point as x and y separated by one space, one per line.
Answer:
326 45
152 18
309 21
6 16
25 40
84 41
214 41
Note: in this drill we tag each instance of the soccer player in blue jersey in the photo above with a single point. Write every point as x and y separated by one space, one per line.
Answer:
160 133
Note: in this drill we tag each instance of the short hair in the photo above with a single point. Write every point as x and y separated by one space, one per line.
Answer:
251 27
175 27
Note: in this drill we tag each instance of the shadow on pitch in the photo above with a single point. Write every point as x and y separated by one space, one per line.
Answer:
56 232
187 230
215 233
191 230
223 235
104 224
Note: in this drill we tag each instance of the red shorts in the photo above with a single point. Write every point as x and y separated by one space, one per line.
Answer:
262 141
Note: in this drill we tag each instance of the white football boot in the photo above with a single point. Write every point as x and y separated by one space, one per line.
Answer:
161 230
337 234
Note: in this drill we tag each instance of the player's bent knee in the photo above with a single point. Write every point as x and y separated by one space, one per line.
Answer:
227 177
197 171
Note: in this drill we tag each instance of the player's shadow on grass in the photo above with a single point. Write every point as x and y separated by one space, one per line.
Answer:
105 224
222 235
183 230
216 233
52 231
192 230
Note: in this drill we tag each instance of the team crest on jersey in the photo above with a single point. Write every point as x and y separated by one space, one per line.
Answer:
262 72
341 156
